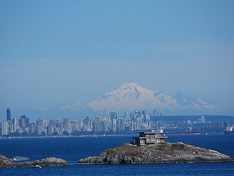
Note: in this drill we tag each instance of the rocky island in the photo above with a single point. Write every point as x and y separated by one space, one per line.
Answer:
51 161
150 148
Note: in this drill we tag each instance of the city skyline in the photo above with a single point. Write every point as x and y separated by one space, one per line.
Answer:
114 124
59 53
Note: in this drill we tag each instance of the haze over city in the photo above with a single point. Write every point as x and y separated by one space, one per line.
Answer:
60 53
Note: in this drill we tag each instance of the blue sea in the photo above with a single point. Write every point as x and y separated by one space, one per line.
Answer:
74 148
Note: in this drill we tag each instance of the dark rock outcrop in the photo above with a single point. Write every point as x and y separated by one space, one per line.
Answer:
5 162
51 161
156 153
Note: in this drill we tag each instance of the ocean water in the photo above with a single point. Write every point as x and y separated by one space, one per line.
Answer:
74 148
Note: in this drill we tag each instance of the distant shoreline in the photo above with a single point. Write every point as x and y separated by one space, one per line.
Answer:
70 136
90 136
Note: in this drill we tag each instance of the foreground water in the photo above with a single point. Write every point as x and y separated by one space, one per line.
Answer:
74 148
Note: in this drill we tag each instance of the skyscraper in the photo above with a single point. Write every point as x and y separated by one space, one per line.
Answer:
8 114
113 115
5 128
114 121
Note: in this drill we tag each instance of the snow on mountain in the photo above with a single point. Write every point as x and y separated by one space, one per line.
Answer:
126 97
131 97
207 105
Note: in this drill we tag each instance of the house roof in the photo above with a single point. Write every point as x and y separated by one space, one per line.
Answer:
143 135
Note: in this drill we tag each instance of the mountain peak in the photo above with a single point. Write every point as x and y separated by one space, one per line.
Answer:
132 87
130 84
131 96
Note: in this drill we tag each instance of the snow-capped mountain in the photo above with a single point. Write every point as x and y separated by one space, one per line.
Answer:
131 96
128 98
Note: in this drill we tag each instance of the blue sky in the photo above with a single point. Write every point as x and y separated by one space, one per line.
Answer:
62 52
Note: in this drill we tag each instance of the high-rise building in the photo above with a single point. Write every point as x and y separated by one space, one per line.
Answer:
87 124
26 119
32 128
14 124
50 129
114 121
113 115
98 124
40 127
138 123
8 114
5 128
